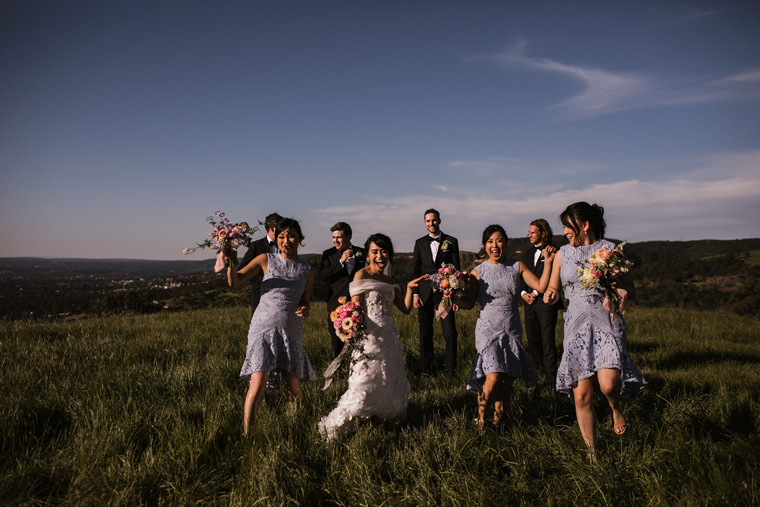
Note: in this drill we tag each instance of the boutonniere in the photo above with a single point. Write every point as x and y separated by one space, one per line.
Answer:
359 255
446 245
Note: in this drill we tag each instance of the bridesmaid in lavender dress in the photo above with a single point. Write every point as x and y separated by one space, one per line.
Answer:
500 357
595 356
275 337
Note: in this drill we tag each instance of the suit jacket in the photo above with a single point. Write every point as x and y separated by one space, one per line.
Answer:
336 276
424 264
538 270
258 247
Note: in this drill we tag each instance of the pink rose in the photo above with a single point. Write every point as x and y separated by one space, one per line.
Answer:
603 254
596 273
222 233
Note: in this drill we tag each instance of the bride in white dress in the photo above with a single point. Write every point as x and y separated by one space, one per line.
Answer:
377 387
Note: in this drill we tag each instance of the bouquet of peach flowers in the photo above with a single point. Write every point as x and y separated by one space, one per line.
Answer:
448 280
603 270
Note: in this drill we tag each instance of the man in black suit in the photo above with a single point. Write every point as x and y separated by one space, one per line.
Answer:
339 265
267 244
430 251
540 318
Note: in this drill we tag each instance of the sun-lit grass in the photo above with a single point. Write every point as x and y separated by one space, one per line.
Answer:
131 410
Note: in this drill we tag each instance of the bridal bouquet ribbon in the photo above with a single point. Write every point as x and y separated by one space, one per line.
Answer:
348 321
447 280
602 270
226 238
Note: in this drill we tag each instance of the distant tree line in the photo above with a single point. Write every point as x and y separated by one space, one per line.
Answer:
705 275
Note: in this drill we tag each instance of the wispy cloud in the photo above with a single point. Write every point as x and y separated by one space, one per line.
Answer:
442 188
695 15
605 92
718 200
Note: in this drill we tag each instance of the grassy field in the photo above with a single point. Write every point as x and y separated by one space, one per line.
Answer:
132 410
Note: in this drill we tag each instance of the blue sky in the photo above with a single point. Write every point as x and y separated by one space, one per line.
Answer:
124 124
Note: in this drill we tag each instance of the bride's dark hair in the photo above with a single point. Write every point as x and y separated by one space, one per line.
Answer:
580 212
382 241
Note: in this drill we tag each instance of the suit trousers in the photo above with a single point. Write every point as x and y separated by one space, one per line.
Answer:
426 316
540 325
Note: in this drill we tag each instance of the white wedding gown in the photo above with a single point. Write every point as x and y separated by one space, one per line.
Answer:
377 387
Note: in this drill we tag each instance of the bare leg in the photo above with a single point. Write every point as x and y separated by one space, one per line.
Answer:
609 383
584 411
490 384
503 397
295 394
253 398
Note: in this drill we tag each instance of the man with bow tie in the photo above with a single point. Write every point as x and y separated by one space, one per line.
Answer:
339 265
540 318
430 251
267 244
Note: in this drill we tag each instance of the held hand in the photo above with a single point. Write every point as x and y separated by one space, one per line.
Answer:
549 253
346 254
550 297
418 302
529 297
302 311
455 307
221 262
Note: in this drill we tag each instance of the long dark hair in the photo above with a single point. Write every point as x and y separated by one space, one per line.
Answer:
545 229
580 212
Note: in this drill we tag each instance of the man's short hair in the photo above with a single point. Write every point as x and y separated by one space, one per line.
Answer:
343 227
272 221
432 210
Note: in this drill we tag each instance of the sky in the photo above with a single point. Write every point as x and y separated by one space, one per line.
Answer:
123 125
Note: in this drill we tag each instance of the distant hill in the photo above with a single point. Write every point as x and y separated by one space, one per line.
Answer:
703 274
40 267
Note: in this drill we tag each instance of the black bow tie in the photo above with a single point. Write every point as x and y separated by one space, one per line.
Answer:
437 240
541 247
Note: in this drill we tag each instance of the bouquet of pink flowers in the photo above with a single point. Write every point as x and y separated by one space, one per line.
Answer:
226 238
603 269
448 280
348 321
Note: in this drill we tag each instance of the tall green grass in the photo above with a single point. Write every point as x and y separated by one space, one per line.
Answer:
132 410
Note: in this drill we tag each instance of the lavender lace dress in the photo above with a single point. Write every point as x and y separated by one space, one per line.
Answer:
591 341
275 337
498 332
377 387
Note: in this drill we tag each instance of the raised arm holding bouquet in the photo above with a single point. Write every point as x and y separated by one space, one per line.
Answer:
275 338
226 238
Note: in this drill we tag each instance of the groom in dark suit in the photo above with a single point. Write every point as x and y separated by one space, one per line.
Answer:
540 318
267 244
339 265
430 251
